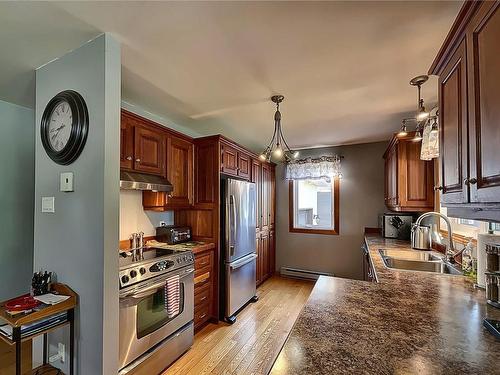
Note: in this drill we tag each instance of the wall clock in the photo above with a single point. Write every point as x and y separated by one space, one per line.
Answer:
64 127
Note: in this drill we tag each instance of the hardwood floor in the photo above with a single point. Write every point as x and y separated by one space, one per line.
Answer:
250 345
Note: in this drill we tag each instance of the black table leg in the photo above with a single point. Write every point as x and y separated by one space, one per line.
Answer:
16 336
71 317
45 349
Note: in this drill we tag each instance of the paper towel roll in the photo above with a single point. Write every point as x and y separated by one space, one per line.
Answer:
482 240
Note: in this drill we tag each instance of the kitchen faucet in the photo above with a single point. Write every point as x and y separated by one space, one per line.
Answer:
450 248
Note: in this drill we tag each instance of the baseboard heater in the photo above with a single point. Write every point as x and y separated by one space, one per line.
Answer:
303 274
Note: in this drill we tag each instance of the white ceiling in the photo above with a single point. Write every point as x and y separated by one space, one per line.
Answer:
343 67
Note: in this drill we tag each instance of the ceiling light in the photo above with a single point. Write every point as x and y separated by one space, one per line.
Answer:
434 128
417 137
403 132
275 147
418 81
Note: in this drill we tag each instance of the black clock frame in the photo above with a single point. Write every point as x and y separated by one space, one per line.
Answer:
79 127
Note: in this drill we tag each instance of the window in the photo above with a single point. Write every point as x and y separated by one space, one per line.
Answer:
314 206
467 227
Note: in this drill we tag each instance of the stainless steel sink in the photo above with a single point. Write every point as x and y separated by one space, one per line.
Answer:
426 256
417 261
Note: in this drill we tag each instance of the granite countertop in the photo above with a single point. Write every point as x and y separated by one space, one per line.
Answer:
195 246
407 323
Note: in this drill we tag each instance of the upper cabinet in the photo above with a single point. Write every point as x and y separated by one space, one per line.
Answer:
149 151
453 136
409 181
142 146
468 66
150 148
235 161
180 171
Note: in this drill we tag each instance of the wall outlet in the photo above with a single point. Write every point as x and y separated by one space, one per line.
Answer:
66 182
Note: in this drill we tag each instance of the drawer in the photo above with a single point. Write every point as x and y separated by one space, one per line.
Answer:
203 279
201 314
203 261
202 294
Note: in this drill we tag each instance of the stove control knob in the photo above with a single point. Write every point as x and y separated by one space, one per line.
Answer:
125 279
142 270
133 273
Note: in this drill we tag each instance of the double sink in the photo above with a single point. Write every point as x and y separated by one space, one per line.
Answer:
423 261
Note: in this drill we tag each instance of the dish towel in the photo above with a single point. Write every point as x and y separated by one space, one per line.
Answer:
172 296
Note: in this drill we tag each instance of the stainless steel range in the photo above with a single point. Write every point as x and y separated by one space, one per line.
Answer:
148 325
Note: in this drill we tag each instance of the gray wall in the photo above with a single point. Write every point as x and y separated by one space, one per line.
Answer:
361 200
17 183
79 241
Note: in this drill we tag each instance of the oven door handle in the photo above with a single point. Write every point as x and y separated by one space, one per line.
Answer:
138 294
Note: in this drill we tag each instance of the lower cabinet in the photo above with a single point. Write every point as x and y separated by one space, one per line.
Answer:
204 282
265 255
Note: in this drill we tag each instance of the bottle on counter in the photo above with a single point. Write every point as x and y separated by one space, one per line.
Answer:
467 259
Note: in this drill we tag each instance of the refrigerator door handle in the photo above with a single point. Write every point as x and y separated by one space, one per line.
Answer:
232 205
243 261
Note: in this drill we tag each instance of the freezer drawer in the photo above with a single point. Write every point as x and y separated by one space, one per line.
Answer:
240 283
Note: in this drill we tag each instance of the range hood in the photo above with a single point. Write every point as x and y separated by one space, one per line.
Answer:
142 181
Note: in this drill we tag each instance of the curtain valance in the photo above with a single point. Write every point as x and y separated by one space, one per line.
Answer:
324 167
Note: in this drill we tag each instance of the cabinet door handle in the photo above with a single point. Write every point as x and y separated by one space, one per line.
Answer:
138 160
436 188
202 316
129 158
203 298
473 181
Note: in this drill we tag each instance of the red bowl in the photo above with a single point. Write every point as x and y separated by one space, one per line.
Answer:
21 303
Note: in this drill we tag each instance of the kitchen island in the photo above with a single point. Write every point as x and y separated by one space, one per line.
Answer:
406 323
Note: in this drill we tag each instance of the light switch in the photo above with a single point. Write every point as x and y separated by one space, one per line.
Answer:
66 181
48 204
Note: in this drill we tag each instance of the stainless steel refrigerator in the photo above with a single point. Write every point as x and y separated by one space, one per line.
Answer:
238 224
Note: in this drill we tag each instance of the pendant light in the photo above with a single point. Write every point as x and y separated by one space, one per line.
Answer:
278 148
403 132
418 81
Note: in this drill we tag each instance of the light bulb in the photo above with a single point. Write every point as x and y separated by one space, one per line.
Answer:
278 152
262 157
434 128
422 114
417 137
403 132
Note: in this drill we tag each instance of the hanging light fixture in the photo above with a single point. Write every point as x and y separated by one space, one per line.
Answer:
403 132
418 81
434 126
278 146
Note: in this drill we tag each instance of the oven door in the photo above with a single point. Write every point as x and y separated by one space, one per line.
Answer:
143 317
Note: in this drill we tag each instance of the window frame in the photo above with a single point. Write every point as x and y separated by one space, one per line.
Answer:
335 206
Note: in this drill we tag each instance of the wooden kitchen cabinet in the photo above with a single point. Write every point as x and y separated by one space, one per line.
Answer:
468 66
453 120
149 151
409 181
235 161
204 285
180 167
142 145
229 160
257 179
126 143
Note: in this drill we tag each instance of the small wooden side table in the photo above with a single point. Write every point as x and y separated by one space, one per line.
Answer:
16 322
